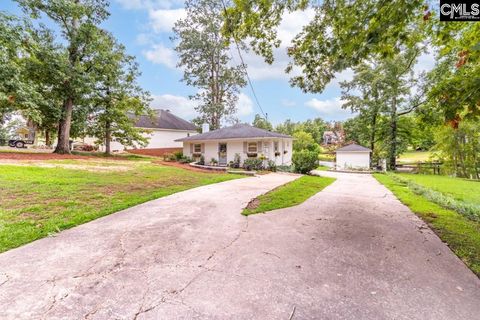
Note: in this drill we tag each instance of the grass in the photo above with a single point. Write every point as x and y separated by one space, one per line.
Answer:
326 157
288 195
414 157
40 201
461 234
323 168
459 189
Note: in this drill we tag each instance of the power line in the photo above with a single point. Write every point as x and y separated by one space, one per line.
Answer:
244 65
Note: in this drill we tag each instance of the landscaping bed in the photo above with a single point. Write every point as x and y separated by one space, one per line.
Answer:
288 195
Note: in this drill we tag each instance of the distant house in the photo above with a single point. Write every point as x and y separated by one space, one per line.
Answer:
242 140
353 156
164 128
332 137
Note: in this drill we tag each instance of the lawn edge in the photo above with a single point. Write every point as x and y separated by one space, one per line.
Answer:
247 212
447 235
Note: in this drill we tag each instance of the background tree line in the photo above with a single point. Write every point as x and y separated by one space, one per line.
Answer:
381 42
71 82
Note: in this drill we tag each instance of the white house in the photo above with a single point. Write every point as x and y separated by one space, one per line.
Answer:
164 128
353 156
242 139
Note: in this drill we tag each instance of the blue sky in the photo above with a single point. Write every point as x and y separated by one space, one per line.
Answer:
144 27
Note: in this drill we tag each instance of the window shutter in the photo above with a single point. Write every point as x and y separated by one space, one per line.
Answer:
203 147
191 147
259 146
245 146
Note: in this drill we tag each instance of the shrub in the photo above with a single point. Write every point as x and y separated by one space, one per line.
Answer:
272 166
178 155
305 161
285 168
213 161
201 161
185 159
304 141
236 161
253 164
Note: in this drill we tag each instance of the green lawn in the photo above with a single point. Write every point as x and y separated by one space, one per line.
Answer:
326 157
38 199
414 157
288 195
461 233
459 189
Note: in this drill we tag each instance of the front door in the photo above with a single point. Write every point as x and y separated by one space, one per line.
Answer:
222 154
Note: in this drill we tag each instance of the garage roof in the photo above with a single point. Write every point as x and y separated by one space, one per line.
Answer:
353 148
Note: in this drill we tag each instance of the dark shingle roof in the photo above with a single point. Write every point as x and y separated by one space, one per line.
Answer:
244 131
164 119
353 147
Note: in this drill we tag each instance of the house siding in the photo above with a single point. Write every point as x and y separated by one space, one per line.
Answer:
237 146
158 139
353 160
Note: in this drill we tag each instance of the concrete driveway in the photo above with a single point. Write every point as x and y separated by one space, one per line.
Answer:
350 252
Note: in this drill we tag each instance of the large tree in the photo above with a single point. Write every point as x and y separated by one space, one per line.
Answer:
341 35
117 99
262 123
78 22
17 49
204 54
381 91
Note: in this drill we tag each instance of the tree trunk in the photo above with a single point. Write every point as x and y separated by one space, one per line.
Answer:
108 137
392 161
63 145
48 143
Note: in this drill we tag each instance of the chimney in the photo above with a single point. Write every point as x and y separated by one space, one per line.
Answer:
205 128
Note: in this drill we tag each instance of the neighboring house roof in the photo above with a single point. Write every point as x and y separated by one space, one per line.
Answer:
243 131
353 148
164 119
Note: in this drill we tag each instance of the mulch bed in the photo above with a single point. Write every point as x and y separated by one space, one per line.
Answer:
253 204
155 152
185 166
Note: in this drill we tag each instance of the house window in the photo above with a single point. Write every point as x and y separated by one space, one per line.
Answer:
252 147
275 146
197 148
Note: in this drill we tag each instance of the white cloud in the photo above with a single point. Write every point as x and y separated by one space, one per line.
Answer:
292 24
162 20
185 108
258 69
178 105
331 109
148 4
244 105
159 54
288 103
425 63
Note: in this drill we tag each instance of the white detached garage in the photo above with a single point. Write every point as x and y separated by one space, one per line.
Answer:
353 156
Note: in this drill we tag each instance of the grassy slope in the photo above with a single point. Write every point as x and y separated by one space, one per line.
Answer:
460 189
36 202
414 156
290 194
461 234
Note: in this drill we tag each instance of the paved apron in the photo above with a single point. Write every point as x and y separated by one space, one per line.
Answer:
351 252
